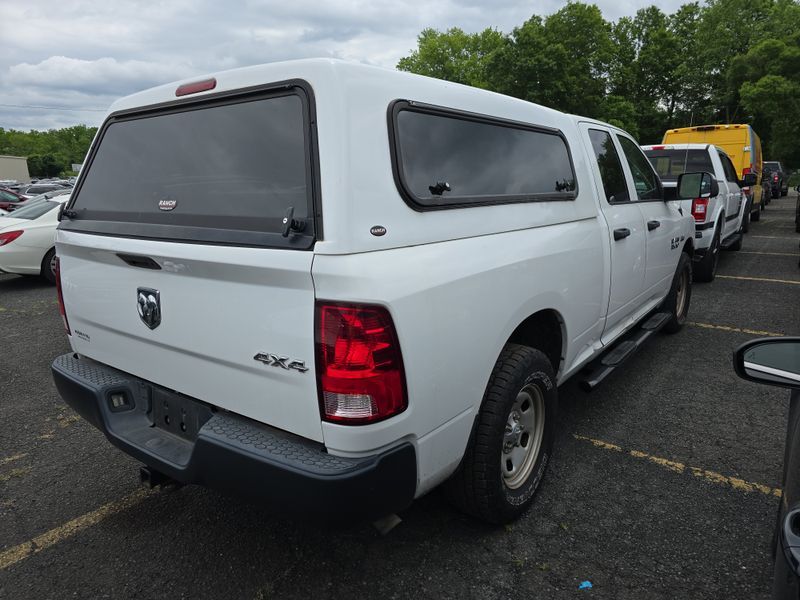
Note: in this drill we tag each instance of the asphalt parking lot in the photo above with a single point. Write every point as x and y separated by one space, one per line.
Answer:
665 481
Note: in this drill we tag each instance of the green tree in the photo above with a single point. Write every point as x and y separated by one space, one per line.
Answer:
453 55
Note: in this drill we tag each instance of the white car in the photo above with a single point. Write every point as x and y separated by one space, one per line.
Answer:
720 219
3 212
27 238
334 287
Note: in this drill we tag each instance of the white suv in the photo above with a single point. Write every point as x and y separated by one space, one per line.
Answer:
334 287
719 218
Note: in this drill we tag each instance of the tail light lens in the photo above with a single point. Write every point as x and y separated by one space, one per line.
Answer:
745 171
8 237
699 209
775 177
61 308
359 364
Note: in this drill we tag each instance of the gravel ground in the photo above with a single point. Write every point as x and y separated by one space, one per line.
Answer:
659 505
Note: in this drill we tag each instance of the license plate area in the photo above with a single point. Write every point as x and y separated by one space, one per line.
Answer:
178 414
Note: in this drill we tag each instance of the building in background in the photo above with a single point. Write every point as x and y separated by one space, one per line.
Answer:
14 167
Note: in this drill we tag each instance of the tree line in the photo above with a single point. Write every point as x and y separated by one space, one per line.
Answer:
49 153
720 61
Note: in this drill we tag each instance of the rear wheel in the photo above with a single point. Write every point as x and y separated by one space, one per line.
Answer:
746 219
512 440
706 269
756 214
680 294
49 266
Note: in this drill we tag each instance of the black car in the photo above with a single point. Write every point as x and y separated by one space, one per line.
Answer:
776 361
777 177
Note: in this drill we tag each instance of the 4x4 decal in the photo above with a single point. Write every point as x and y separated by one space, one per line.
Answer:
281 361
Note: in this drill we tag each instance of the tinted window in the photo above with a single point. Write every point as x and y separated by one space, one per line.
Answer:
233 167
479 161
6 197
33 209
671 163
648 186
730 171
614 184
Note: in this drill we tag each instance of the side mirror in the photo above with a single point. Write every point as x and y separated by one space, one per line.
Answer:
749 179
774 361
697 185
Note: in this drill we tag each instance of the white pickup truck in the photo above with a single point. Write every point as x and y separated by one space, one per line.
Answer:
333 287
720 218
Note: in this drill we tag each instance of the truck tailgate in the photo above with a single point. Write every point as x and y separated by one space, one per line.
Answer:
220 307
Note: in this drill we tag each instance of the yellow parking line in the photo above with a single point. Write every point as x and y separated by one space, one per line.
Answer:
735 329
50 538
792 254
790 281
5 461
678 467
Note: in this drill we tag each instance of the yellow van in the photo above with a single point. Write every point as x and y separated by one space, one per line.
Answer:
742 145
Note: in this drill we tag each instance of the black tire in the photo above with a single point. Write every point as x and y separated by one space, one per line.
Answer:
756 214
746 219
481 486
47 270
706 268
681 282
736 246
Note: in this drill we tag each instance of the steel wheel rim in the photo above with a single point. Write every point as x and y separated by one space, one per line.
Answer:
522 439
53 261
680 304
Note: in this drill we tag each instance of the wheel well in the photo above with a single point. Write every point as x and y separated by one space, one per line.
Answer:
544 331
688 247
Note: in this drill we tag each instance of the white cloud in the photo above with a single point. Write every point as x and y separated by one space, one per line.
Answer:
84 54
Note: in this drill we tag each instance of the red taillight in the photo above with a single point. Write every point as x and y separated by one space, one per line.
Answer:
8 237
359 364
745 171
61 308
775 177
656 147
699 208
197 86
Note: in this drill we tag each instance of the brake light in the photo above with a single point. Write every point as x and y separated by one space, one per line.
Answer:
745 171
775 177
61 308
196 86
656 147
359 364
8 237
699 208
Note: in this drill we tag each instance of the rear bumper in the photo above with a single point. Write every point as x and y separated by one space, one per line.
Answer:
233 454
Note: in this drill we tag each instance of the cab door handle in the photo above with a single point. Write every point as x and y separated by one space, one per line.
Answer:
621 233
653 225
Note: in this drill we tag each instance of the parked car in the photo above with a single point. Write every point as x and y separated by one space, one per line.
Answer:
741 143
776 361
9 200
379 305
29 191
777 178
27 238
719 218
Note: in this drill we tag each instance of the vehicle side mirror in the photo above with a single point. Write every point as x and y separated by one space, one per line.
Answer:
749 179
774 361
697 185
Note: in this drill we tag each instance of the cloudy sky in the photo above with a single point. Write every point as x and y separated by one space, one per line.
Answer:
64 61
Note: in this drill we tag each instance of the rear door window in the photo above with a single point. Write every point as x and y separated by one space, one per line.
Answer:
222 172
730 171
446 159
